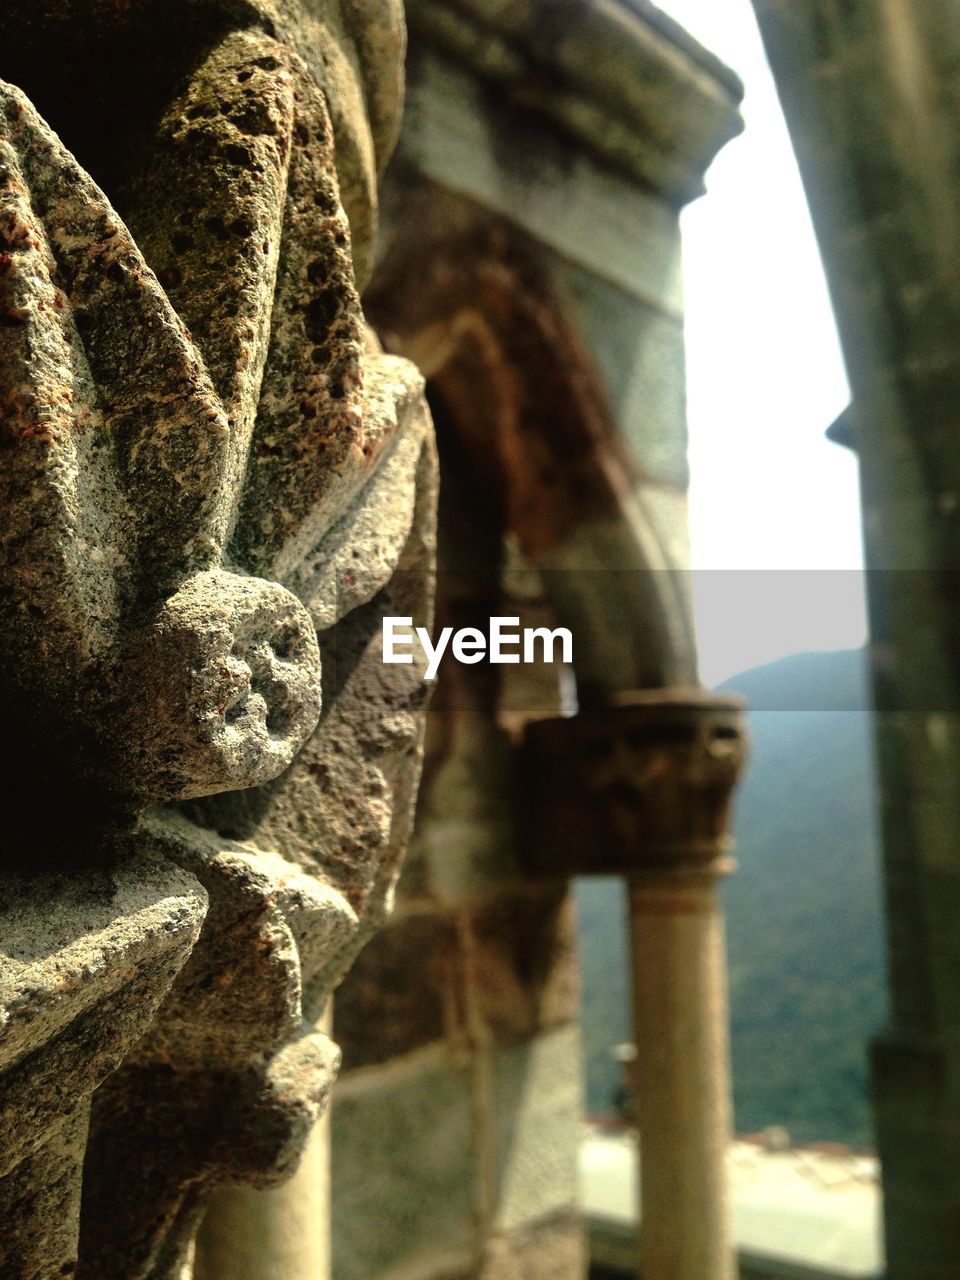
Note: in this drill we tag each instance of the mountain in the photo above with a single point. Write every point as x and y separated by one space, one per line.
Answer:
803 911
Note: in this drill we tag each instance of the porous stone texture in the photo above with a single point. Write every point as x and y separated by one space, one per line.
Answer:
86 959
214 485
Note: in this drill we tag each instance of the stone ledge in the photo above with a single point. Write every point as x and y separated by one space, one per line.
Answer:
647 100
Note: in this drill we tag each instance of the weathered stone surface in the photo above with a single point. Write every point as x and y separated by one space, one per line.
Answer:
85 959
536 1099
622 81
463 843
405 1184
541 1251
524 963
214 485
501 972
251 700
646 781
546 1250
40 1200
458 137
380 1013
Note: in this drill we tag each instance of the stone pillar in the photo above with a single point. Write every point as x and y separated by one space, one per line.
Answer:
869 93
641 787
282 1233
213 483
682 1074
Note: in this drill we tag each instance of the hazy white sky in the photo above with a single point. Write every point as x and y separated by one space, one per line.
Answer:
765 379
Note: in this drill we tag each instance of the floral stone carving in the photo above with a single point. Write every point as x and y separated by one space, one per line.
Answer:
214 487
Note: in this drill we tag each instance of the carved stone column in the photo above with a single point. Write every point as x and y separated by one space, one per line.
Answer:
641 787
86 958
213 486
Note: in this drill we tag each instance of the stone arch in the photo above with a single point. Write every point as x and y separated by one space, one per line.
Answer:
520 406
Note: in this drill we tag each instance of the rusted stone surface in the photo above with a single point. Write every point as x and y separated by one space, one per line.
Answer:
214 486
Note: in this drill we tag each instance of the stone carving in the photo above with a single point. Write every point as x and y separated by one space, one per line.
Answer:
214 485
644 782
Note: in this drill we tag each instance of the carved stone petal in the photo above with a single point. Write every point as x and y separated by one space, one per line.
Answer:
110 397
240 996
360 553
85 960
230 1079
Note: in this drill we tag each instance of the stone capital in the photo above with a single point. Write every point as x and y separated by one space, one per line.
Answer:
642 783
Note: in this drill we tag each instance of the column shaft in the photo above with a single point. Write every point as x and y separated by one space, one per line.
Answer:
279 1234
682 1099
282 1233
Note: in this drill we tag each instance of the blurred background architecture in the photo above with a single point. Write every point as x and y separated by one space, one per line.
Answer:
536 1080
530 265
568 141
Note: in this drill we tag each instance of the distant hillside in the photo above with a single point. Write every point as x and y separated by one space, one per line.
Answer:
804 927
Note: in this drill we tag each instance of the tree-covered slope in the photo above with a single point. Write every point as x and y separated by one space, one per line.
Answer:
804 931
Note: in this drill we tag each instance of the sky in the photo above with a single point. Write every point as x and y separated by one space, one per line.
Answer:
774 506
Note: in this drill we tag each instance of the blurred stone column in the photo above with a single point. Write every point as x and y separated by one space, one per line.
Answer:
682 1073
641 787
870 94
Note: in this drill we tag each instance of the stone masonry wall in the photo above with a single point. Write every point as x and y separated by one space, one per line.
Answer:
530 267
461 1093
